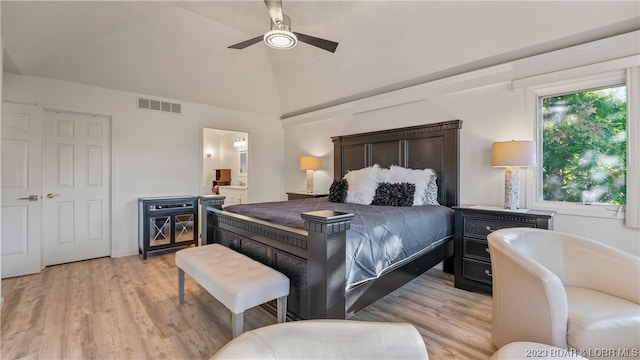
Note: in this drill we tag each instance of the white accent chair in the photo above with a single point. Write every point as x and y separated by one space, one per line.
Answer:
566 291
327 339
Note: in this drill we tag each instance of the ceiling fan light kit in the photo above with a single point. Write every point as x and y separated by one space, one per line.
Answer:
280 39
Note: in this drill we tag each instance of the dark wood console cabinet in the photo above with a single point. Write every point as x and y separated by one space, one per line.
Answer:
167 222
472 263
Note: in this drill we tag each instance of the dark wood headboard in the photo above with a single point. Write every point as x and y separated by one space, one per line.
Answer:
434 146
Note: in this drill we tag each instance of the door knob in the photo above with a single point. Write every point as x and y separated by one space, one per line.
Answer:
30 198
51 196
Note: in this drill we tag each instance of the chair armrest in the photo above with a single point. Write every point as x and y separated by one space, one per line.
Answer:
529 301
597 266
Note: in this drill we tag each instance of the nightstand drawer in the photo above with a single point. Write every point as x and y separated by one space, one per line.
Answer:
477 249
480 228
472 261
476 270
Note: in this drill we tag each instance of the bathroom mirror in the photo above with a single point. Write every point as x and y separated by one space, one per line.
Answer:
243 162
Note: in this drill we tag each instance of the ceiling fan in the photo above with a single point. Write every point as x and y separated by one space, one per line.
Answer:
281 36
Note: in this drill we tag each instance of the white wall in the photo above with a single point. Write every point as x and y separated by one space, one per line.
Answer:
488 115
211 142
1 77
155 153
491 111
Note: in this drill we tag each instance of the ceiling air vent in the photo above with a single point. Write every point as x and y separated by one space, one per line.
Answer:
158 105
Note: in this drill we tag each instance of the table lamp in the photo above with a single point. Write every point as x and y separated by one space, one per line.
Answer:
512 155
309 163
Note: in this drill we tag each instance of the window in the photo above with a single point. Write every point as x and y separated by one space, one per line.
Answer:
592 101
587 125
584 146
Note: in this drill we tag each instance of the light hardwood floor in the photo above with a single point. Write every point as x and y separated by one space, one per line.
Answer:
127 308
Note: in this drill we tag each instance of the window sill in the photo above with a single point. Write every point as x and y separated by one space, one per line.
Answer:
594 210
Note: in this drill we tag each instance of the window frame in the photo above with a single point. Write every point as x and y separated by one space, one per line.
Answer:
569 84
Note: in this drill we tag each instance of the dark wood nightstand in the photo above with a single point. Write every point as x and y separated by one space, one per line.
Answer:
472 263
295 195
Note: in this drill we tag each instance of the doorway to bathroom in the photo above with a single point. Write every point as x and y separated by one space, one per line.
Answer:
225 164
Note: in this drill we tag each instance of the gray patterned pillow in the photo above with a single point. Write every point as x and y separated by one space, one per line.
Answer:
431 197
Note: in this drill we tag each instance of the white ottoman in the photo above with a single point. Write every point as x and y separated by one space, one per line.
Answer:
235 280
531 350
328 339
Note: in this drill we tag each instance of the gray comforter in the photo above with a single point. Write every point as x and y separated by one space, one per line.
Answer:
380 236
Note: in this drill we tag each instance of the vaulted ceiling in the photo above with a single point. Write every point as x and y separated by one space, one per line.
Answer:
178 49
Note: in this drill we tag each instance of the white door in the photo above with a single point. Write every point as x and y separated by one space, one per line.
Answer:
21 189
76 189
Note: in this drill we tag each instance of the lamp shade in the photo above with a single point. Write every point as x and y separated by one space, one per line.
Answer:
514 153
309 163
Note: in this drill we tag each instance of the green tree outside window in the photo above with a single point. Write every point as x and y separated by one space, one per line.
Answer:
585 146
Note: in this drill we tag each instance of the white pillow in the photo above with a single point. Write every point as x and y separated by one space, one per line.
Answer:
384 175
420 178
362 185
396 174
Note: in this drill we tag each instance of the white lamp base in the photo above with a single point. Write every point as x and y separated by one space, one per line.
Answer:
309 181
512 187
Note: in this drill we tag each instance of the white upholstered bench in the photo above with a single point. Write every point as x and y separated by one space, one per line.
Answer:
235 280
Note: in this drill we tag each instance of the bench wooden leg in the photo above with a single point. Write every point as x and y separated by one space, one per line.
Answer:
282 309
181 286
237 321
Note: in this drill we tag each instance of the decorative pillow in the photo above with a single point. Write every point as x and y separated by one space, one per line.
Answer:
432 192
394 174
338 191
362 185
384 175
420 177
396 194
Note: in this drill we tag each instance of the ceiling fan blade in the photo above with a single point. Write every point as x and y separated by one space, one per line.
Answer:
246 43
317 42
275 10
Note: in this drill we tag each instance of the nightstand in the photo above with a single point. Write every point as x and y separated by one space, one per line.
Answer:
295 195
472 263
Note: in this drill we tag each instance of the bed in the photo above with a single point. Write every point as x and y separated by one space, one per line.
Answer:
312 250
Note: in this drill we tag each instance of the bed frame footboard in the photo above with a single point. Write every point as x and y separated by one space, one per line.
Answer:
312 259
